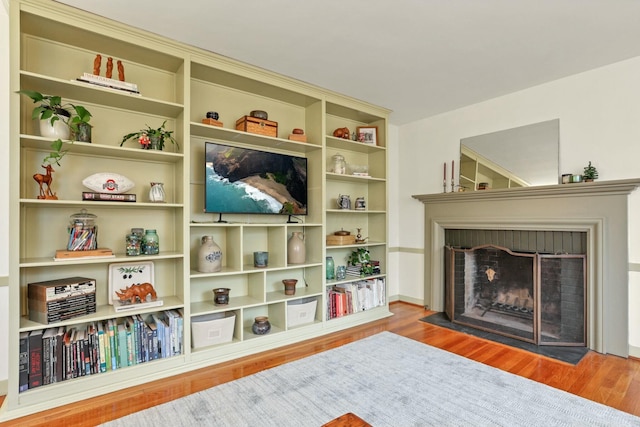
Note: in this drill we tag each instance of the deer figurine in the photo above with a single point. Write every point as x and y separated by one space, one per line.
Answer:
44 181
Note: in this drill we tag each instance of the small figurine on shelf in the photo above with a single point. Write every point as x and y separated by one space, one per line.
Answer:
44 181
138 292
343 133
145 141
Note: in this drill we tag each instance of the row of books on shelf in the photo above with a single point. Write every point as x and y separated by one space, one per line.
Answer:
57 354
348 298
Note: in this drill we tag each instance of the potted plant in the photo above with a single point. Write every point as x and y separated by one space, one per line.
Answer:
590 173
361 257
151 138
53 116
79 123
57 120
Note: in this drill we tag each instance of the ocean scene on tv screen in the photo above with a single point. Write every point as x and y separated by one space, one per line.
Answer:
240 180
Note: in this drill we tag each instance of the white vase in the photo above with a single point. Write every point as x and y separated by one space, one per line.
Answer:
59 129
209 256
296 249
156 194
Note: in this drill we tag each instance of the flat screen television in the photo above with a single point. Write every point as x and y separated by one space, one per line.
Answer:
249 181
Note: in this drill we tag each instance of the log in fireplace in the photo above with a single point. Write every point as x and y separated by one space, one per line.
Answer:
533 297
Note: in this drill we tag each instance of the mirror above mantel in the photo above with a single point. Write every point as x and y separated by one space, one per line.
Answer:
519 157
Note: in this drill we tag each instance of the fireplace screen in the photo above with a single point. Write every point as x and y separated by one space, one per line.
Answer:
528 296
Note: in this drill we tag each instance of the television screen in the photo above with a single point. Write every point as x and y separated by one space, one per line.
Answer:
242 180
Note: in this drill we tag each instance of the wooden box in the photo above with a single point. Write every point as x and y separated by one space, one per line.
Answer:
298 137
257 126
333 240
212 122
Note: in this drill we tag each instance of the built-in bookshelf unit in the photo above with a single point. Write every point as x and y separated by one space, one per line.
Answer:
52 45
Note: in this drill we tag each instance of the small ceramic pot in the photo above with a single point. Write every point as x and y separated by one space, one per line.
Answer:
260 259
221 296
261 325
212 115
290 286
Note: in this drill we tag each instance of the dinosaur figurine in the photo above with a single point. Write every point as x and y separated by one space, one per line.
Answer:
137 292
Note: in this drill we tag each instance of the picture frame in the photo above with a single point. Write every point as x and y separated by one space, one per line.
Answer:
367 135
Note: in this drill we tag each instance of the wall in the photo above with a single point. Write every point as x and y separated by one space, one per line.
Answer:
599 114
4 190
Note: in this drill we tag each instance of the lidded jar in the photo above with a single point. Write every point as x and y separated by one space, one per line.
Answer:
209 256
296 251
150 242
83 232
338 164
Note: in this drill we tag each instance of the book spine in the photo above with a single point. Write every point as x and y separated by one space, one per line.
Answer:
112 342
35 359
23 381
108 197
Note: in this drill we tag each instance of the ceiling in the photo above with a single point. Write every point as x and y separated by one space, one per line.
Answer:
418 58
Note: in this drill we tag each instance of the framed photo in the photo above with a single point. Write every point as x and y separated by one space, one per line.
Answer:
368 134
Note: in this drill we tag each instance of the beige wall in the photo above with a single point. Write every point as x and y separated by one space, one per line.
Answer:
599 114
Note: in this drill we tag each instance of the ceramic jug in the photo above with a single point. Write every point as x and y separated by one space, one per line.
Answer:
296 249
344 201
209 256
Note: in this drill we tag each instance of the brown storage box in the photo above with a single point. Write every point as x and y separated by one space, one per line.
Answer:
333 240
212 122
298 137
257 126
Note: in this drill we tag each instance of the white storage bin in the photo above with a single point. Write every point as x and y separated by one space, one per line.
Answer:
210 329
300 312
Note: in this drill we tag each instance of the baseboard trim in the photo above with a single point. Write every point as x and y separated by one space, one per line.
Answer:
4 387
404 298
634 351
4 281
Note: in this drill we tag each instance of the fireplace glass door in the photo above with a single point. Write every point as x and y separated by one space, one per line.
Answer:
527 296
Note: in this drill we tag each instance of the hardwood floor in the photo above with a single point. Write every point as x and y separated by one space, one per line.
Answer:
610 380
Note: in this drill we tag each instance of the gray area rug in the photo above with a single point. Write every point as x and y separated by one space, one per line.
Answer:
387 380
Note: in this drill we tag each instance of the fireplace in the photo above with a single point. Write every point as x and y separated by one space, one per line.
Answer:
597 209
537 298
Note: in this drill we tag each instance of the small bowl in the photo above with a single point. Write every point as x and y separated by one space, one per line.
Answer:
259 114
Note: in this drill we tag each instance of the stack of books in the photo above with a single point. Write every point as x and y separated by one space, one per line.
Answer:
108 197
357 269
110 83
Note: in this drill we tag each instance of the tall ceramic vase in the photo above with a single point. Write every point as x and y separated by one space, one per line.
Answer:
295 248
209 256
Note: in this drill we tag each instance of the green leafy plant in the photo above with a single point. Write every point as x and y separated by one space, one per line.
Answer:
160 133
361 257
51 108
590 172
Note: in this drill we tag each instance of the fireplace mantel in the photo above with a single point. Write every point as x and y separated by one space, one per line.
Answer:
597 208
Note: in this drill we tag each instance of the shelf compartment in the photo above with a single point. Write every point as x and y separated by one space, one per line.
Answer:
86 93
244 290
309 281
352 178
263 238
312 237
239 137
374 193
276 314
348 145
103 312
101 150
227 238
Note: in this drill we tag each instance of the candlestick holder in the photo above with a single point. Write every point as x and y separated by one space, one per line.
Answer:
452 186
444 186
